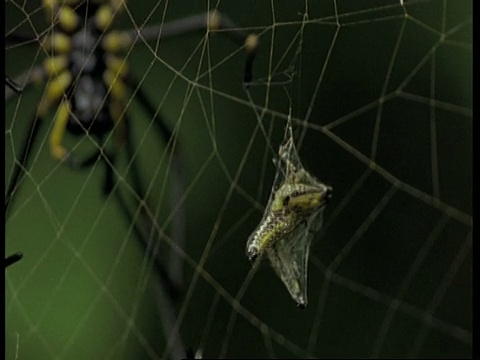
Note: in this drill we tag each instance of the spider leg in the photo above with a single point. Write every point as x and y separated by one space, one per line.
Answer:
54 91
176 169
213 20
109 160
13 85
17 89
12 259
151 250
19 38
169 283
27 78
18 170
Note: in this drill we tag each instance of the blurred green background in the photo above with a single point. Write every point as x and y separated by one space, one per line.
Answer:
390 271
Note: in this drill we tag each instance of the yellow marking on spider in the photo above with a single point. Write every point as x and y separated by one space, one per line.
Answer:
114 82
55 65
104 17
117 66
251 43
56 136
59 42
116 41
67 18
49 5
55 89
59 85
214 20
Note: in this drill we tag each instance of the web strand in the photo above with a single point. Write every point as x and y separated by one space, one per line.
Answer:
380 100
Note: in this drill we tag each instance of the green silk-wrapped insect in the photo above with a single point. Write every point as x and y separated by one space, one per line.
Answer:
293 215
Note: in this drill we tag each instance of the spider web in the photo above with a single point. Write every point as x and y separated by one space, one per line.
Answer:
380 96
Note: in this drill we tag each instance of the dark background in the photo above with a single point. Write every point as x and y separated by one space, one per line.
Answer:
397 234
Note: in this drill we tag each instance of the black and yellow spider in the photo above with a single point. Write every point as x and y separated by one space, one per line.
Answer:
88 80
88 83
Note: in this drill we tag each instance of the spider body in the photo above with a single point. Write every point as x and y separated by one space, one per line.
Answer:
88 89
87 80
